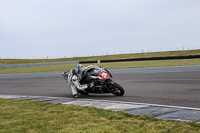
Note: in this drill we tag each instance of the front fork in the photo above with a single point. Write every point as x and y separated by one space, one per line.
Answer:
110 86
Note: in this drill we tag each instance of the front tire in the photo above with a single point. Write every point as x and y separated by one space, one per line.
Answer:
118 90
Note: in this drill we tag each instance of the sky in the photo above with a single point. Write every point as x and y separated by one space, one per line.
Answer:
68 28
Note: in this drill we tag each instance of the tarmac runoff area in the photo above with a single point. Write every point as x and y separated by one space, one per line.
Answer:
158 111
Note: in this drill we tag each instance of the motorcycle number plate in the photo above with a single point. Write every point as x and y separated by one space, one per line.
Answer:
104 75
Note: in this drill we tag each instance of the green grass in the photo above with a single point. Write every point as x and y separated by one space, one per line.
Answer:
21 116
132 64
106 57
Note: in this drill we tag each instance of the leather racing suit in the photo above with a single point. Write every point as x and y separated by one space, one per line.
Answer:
74 80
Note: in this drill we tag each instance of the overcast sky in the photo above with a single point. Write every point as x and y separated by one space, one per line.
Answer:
58 28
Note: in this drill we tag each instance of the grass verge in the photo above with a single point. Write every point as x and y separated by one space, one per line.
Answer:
132 64
33 116
106 57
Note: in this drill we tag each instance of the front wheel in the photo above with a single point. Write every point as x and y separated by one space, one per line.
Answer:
117 90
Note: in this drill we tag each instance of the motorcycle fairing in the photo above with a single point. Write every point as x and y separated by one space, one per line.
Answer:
104 75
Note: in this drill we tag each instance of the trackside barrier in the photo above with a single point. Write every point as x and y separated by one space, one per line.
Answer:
38 64
98 61
144 59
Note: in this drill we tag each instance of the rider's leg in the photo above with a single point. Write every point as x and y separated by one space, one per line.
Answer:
74 91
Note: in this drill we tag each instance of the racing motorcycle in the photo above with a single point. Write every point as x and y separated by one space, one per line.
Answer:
99 81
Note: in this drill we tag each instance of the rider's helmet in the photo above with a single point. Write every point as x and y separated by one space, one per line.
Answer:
79 70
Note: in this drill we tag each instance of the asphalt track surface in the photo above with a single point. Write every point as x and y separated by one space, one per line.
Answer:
175 86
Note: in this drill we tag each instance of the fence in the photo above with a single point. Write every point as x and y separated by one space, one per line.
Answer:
97 61
102 54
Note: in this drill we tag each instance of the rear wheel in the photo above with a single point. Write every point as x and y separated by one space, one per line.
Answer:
117 90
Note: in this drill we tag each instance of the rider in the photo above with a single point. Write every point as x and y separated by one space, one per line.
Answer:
76 75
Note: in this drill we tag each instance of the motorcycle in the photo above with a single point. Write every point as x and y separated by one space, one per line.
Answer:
99 81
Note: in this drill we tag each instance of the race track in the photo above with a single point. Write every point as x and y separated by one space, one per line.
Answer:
177 86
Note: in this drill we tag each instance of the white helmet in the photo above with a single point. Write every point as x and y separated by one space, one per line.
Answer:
80 70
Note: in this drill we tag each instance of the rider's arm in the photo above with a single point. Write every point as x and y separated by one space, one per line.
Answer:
76 82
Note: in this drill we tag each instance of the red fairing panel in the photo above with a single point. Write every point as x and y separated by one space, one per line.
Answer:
104 75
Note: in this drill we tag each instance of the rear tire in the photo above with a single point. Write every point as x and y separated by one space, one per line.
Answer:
118 90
